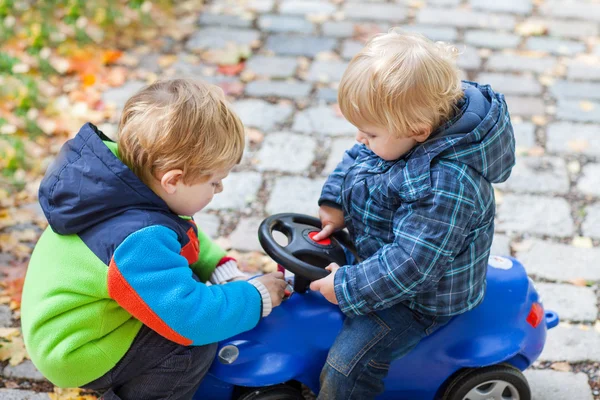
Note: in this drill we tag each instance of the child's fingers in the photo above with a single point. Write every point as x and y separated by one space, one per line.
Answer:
325 232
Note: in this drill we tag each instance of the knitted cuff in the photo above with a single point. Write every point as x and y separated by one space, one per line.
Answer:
266 297
225 272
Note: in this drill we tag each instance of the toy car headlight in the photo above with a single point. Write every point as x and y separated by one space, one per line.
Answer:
228 354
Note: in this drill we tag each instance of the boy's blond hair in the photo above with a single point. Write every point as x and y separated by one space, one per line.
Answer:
401 81
179 124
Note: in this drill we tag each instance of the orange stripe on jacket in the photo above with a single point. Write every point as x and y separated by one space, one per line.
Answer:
191 250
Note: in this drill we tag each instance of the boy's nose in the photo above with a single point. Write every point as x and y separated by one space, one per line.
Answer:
361 138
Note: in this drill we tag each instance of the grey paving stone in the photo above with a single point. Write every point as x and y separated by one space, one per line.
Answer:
554 46
535 214
281 24
511 84
273 67
468 58
572 344
378 12
217 37
500 245
434 33
579 111
524 135
538 175
577 90
339 29
515 63
262 115
492 39
350 48
509 6
308 46
338 148
149 62
208 223
5 316
560 262
287 152
239 190
571 29
14 394
261 6
326 71
322 120
591 223
295 194
525 106
235 21
572 303
187 65
465 18
555 385
572 9
570 138
327 94
596 50
580 70
245 235
292 90
301 7
25 370
118 96
589 183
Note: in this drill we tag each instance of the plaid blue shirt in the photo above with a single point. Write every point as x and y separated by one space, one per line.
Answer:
423 224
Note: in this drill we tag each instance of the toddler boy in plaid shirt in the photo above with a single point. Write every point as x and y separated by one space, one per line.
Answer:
416 196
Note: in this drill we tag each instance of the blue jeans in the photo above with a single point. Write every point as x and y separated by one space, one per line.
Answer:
360 357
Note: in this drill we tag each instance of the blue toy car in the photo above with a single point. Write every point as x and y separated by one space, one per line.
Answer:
478 355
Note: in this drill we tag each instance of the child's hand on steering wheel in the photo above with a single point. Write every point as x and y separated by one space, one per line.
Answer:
325 285
332 219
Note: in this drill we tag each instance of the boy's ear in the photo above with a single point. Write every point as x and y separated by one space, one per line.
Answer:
170 179
422 133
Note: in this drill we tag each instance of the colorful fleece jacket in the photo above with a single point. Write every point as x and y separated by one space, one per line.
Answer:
113 258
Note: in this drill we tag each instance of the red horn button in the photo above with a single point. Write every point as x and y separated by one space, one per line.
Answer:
322 242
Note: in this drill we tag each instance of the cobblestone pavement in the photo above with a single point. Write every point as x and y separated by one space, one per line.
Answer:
543 54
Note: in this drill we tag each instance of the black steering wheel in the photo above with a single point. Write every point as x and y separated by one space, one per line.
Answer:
303 256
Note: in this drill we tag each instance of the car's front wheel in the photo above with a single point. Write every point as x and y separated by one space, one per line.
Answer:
277 392
498 382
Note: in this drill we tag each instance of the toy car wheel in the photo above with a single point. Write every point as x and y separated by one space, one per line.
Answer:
499 382
278 392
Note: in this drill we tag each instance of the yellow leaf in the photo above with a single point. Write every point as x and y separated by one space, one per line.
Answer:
578 282
561 366
586 106
531 28
69 394
14 351
582 242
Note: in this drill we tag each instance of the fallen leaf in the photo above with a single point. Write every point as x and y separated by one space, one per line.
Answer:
111 56
531 28
578 145
69 394
582 242
231 70
578 282
561 366
254 135
586 106
13 351
364 32
232 88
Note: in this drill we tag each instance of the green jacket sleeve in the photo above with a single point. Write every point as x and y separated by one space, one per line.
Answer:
210 255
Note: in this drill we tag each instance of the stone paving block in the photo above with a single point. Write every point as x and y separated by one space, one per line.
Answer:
500 245
235 21
571 29
578 110
281 24
511 84
444 2
508 6
308 46
596 50
554 46
301 7
503 62
272 67
261 6
468 58
286 89
217 37
338 148
572 344
326 71
340 29
239 190
576 9
327 94
245 235
295 194
187 65
208 223
555 385
322 120
378 12
581 70
492 39
260 114
570 138
589 183
25 370
434 33
538 175
14 394
463 18
572 303
287 152
524 135
5 316
591 223
535 214
559 262
525 106
577 90
350 48
119 95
